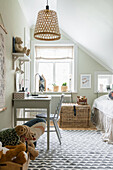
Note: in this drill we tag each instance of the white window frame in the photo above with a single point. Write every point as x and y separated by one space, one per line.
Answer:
96 79
71 68
62 43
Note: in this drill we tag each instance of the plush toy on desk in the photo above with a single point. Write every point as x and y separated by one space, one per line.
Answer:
18 47
15 154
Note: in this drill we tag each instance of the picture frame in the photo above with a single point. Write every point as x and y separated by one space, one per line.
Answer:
85 81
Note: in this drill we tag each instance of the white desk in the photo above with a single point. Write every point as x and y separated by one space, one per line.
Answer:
31 102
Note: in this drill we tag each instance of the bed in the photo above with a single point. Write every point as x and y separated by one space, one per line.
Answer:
102 117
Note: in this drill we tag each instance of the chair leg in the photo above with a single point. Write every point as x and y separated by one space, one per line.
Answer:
56 129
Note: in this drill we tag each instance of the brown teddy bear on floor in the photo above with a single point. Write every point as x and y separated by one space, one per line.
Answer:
26 134
17 135
33 152
19 48
13 153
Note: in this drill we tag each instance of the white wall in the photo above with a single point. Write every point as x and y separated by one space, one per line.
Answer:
14 22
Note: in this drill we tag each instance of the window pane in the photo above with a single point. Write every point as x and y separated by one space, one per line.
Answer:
62 73
47 70
104 81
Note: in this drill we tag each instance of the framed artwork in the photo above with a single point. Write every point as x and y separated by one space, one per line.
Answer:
2 68
85 81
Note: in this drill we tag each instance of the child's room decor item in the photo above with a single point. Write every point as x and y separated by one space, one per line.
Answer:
41 83
20 95
14 136
64 87
108 88
73 115
17 46
81 100
44 82
2 65
55 88
85 81
15 154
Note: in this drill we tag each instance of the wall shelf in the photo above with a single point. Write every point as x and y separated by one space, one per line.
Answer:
21 57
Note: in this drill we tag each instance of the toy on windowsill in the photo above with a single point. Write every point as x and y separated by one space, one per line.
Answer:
81 100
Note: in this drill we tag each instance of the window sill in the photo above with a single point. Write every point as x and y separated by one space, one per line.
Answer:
56 93
102 92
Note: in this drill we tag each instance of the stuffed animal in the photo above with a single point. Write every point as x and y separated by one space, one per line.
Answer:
33 152
37 125
15 154
19 48
15 136
25 133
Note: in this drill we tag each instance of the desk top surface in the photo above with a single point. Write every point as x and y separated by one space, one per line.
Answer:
34 98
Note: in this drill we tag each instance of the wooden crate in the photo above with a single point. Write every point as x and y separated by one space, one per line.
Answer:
14 166
68 118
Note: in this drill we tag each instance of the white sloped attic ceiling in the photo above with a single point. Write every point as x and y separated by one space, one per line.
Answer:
87 22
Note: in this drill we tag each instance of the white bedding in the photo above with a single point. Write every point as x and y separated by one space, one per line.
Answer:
102 117
105 105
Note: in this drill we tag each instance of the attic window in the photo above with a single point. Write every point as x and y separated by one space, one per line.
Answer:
56 65
104 82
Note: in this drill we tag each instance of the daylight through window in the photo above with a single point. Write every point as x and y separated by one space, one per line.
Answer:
56 65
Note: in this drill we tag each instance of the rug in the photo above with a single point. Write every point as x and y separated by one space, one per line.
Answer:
80 149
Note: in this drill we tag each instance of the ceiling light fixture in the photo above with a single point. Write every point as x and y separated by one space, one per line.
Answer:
46 27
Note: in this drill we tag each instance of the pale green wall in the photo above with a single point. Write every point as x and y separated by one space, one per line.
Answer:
14 22
87 65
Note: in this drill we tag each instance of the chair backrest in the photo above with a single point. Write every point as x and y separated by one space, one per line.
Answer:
58 108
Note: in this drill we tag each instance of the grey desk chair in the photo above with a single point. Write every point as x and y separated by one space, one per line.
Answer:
54 117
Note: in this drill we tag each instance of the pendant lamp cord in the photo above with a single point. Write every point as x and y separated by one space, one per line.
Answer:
47 6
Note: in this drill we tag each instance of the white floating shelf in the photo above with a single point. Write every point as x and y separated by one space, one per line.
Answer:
21 57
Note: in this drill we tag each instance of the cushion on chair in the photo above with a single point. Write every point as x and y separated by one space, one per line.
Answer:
37 125
44 116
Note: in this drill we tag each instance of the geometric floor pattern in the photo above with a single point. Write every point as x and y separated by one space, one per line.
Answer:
80 149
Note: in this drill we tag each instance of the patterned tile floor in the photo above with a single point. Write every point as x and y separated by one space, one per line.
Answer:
81 149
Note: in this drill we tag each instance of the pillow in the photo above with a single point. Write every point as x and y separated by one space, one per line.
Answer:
37 126
111 95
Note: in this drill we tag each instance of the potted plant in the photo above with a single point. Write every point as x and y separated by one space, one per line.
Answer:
55 87
64 87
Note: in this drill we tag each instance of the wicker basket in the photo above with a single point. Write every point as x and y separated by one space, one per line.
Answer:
68 119
19 95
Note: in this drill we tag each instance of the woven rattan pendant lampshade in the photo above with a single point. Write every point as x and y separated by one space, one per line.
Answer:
47 25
